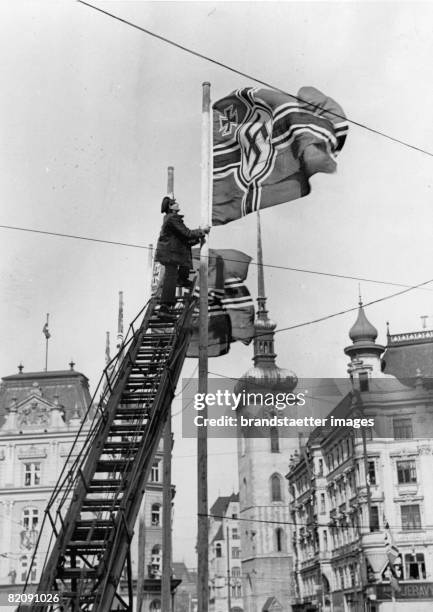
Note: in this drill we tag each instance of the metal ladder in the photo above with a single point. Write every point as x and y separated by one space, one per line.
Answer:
103 490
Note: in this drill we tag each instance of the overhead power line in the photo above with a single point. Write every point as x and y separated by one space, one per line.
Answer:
310 524
252 263
335 314
202 56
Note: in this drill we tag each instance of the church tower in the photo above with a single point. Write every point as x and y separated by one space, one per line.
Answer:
263 464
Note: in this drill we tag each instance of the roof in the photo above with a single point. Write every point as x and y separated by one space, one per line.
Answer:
221 504
272 604
409 354
181 571
67 387
219 534
341 410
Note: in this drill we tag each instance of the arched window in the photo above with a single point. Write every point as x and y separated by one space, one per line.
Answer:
279 540
276 488
218 550
156 515
155 605
275 443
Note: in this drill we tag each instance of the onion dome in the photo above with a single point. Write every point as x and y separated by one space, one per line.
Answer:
363 335
270 378
362 330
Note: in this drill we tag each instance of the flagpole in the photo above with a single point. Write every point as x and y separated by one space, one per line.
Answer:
202 499
47 337
166 602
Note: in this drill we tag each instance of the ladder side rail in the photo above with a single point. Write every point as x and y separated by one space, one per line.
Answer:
132 500
49 572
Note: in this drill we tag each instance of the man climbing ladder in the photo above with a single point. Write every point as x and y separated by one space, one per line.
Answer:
173 250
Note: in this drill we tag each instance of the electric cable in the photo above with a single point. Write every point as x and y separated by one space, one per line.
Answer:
251 77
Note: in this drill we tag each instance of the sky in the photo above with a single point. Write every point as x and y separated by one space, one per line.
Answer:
94 111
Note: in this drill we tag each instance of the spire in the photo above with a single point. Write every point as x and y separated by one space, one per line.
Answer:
362 330
265 370
120 321
264 352
107 348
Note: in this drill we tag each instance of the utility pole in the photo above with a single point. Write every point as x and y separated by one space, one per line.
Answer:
166 520
229 597
202 499
141 560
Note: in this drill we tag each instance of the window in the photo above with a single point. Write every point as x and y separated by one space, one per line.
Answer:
155 475
236 572
320 467
218 550
236 591
341 578
372 473
275 443
24 567
156 515
325 540
402 429
156 563
234 516
275 488
406 471
30 518
410 517
414 567
363 381
322 503
279 540
32 474
374 518
155 605
235 533
236 553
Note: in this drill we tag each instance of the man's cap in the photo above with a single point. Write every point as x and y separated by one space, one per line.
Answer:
166 202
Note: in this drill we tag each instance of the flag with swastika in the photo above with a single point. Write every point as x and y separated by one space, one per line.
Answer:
267 144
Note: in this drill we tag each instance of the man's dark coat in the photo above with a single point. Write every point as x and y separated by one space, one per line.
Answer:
175 241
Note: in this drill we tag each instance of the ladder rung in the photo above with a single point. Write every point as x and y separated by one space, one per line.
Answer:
133 399
112 465
94 505
99 533
127 430
151 350
77 572
74 595
112 446
84 544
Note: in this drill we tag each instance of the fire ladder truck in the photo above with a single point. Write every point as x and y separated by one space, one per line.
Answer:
94 506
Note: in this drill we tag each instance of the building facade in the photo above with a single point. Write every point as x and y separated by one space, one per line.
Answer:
353 489
225 567
185 599
40 415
